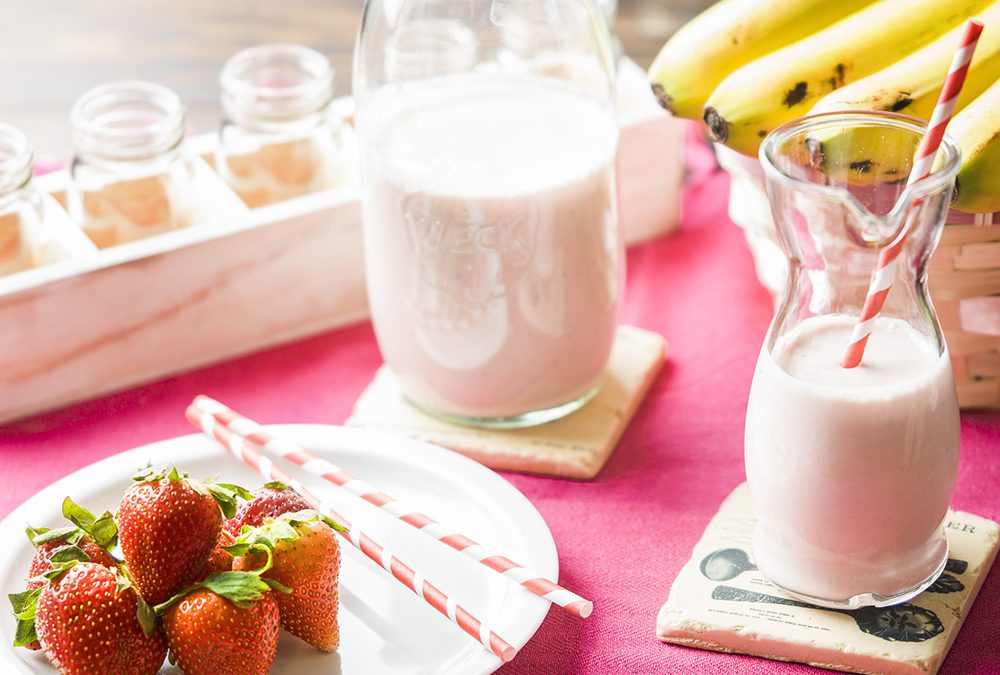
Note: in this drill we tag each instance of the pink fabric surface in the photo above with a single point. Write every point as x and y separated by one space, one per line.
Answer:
623 537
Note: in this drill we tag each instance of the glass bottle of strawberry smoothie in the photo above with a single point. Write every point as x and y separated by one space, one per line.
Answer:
852 469
492 246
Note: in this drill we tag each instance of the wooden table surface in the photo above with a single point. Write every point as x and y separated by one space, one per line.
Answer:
51 51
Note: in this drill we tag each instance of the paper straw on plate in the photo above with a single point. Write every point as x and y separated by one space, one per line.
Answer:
253 434
382 556
923 162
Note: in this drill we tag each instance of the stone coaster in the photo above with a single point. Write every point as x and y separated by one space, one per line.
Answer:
720 601
576 446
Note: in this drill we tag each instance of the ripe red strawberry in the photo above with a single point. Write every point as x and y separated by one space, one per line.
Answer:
47 542
306 560
87 622
168 526
94 535
269 501
209 634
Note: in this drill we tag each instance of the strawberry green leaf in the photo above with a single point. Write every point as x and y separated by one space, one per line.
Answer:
335 525
63 558
147 473
277 586
105 531
276 485
237 549
151 474
78 515
24 612
67 554
226 499
102 529
24 600
267 535
24 632
299 517
225 495
43 535
146 616
240 492
240 588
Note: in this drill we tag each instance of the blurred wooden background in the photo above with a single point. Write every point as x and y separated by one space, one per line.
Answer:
51 51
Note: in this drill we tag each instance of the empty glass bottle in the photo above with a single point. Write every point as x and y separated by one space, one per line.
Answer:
279 138
130 178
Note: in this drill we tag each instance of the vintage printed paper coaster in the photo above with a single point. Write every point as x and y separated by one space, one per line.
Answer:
576 446
720 601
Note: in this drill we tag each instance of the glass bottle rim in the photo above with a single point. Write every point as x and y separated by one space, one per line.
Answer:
128 120
15 158
248 101
939 178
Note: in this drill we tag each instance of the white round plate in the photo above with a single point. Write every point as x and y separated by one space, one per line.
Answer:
384 627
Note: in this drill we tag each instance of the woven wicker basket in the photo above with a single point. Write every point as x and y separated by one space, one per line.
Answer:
964 278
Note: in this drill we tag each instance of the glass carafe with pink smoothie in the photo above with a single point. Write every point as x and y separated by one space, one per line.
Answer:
492 248
852 470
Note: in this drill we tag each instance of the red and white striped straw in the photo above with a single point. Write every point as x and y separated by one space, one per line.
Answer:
923 162
261 440
383 557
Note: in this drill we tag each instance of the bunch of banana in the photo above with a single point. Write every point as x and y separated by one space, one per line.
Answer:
773 74
765 93
977 130
910 86
729 34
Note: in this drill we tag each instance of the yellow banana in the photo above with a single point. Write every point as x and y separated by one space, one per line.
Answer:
977 130
910 86
726 36
783 85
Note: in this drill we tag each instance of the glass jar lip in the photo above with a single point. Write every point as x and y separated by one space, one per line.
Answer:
16 154
93 134
935 181
244 98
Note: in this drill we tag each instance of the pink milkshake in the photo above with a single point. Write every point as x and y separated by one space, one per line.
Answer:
852 470
493 256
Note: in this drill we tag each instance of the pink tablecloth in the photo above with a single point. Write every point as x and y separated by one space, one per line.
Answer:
623 537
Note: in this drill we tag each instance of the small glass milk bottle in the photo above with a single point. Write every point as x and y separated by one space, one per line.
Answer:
279 139
130 179
493 255
851 470
22 233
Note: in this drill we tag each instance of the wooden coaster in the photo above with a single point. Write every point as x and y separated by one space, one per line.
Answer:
576 446
720 601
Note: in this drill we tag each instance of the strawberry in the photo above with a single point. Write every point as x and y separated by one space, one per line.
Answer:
94 535
269 501
88 621
306 560
227 623
168 526
47 542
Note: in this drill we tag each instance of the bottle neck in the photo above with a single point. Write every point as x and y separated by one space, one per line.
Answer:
276 87
15 160
130 122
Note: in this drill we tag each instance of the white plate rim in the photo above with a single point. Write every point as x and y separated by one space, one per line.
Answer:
123 464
